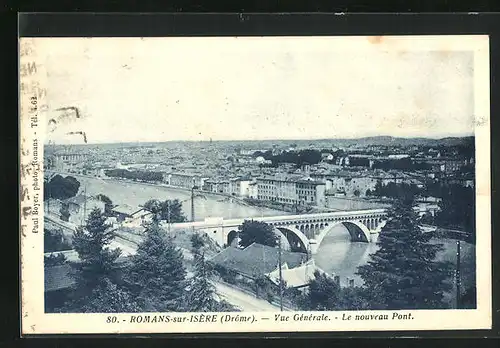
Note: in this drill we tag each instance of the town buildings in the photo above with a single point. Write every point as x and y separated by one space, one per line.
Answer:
65 161
185 180
291 191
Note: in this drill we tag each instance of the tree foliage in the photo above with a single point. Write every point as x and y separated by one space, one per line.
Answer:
395 190
157 273
110 298
197 242
53 240
64 211
256 232
61 187
136 175
97 260
298 158
403 273
201 294
457 208
168 210
54 260
406 164
97 267
325 294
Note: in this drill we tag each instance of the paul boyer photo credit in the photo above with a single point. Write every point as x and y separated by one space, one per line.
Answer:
254 184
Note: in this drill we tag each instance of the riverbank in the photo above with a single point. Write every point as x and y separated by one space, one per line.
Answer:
240 200
135 193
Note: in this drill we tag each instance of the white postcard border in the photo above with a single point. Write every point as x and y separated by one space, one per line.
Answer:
35 321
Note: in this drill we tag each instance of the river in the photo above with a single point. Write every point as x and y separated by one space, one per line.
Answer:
339 256
336 255
205 205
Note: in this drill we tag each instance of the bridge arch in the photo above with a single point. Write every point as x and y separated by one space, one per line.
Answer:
302 239
358 231
232 237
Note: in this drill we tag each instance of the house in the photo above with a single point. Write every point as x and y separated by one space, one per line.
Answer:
79 207
256 260
59 281
126 212
298 277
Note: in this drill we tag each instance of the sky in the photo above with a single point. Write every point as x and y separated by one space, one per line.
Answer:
135 90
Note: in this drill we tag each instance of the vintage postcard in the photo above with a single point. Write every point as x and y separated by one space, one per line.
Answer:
254 184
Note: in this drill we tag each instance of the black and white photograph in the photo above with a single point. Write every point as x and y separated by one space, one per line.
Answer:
286 181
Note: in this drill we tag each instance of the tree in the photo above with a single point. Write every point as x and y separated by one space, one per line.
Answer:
353 298
153 206
169 210
457 208
201 294
326 294
64 211
61 188
468 299
403 273
109 298
53 240
256 232
53 260
97 261
323 293
197 242
157 273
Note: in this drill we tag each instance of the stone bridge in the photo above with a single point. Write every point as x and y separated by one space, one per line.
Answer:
303 232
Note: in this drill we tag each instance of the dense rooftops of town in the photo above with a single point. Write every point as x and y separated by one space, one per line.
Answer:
291 178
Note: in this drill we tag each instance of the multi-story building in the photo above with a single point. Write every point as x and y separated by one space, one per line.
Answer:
351 185
357 184
253 191
184 180
217 185
240 187
291 191
454 165
446 165
65 161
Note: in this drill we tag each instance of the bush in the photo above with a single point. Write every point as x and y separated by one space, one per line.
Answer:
54 260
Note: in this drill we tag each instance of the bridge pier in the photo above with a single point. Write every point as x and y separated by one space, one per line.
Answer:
374 236
313 246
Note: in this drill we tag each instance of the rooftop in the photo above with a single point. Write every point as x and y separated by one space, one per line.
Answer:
61 276
294 179
127 209
58 277
256 259
295 277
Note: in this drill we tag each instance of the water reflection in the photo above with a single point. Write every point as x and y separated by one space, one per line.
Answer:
339 256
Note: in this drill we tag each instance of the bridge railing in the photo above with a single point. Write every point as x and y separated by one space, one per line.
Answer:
281 218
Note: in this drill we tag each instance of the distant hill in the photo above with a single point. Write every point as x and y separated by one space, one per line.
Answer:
394 141
267 144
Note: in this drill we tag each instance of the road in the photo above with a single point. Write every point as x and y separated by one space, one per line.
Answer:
243 301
